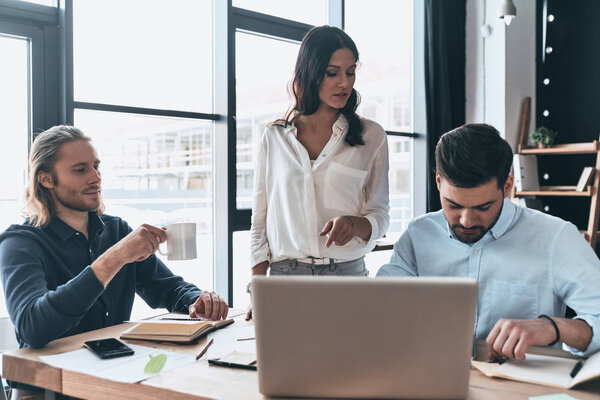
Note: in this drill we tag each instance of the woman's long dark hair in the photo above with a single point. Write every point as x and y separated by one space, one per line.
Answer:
316 50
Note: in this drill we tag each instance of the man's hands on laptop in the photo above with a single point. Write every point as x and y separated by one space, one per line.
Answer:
209 305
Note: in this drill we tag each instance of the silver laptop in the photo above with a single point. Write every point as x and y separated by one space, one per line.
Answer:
352 337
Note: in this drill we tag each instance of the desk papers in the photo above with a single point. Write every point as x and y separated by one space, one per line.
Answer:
543 370
227 341
127 369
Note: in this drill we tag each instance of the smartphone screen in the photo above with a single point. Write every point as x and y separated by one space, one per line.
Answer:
109 348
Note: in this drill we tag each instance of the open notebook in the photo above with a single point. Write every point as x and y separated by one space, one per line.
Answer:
544 370
173 331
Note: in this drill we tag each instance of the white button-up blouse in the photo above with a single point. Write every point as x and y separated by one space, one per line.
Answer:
293 199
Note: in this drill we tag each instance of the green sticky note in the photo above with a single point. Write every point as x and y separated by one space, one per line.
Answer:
557 396
155 364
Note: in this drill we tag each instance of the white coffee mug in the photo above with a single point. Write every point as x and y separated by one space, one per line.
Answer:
181 241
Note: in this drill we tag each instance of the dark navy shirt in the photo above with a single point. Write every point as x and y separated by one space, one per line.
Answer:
51 292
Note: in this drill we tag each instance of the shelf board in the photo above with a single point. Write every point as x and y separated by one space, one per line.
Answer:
557 191
569 148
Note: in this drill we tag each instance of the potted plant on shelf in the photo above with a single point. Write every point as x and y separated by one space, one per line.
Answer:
543 137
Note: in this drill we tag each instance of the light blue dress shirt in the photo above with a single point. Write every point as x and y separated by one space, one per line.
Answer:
529 263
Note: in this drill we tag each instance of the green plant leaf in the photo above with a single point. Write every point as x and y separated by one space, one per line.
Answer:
155 364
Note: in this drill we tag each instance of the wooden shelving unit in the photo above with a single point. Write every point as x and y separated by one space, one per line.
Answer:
571 148
592 191
556 191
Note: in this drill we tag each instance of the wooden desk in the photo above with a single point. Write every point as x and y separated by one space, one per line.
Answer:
201 381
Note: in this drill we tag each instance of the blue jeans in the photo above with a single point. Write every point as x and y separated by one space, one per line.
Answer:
291 266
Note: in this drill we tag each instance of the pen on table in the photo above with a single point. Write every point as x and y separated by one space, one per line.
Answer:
498 361
576 368
182 319
251 366
245 338
205 349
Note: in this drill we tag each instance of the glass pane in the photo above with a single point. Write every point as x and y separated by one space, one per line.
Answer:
261 98
158 171
384 79
50 3
375 259
241 269
153 54
312 12
14 123
400 178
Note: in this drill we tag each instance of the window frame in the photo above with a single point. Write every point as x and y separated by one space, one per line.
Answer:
39 24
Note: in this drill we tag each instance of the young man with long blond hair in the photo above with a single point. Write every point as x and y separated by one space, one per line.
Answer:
70 268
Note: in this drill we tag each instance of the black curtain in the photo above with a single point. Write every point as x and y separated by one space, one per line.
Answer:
444 78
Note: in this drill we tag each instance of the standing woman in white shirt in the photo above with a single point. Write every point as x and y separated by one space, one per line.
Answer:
321 178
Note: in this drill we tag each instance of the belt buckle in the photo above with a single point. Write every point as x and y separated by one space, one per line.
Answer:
321 261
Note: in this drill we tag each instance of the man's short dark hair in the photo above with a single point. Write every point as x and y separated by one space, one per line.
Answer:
473 155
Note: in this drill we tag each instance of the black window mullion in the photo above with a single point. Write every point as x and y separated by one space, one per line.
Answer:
144 111
255 22
403 134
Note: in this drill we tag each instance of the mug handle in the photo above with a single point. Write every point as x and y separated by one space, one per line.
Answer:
166 253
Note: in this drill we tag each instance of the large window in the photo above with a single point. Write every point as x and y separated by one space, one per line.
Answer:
176 95
139 90
14 122
385 82
26 62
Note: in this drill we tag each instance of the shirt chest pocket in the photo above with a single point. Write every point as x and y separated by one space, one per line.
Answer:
511 300
343 188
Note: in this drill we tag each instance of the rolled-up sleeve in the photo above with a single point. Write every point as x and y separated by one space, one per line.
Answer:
259 245
376 207
575 271
41 315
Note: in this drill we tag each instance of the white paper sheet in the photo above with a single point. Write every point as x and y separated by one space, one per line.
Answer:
128 369
547 370
226 341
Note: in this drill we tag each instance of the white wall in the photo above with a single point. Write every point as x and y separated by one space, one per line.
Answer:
500 65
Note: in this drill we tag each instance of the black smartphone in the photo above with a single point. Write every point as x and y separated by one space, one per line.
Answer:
109 348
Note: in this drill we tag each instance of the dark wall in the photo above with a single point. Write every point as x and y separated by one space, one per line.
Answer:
572 96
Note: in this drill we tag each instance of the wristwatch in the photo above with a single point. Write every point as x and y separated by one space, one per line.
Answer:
249 287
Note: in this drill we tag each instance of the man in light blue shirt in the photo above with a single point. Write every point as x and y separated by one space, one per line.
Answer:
529 265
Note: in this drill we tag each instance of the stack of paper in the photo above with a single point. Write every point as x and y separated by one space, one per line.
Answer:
128 369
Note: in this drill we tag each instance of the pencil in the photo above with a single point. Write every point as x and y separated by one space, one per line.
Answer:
247 338
205 349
